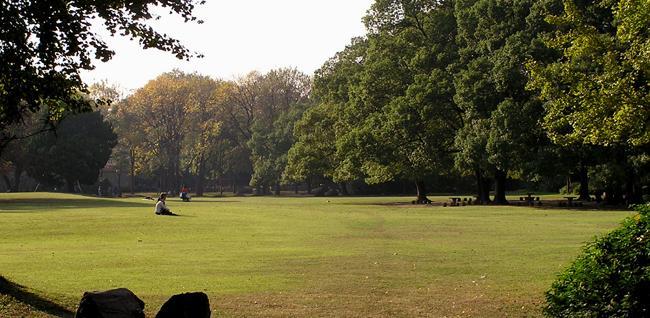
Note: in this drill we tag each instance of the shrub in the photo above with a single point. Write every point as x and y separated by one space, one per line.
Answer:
575 189
612 276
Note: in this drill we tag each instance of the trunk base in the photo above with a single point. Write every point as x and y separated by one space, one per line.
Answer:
421 188
421 200
500 187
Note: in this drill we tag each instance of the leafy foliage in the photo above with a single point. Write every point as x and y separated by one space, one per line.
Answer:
612 276
597 92
170 124
501 131
76 151
282 100
45 44
385 102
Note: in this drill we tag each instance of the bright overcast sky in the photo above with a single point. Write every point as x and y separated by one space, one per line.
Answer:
240 36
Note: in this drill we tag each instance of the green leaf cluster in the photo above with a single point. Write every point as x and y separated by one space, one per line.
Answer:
597 91
612 276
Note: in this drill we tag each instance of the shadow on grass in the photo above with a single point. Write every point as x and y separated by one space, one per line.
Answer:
49 205
546 205
21 294
202 200
585 207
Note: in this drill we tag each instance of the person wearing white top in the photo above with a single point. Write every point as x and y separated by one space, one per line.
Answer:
161 208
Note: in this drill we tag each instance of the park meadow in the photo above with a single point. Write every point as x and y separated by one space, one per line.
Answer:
350 158
288 257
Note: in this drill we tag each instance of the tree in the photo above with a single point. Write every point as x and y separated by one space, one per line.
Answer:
75 152
385 101
315 152
240 107
597 91
400 111
161 113
45 44
282 101
15 159
418 124
501 131
129 154
205 128
270 148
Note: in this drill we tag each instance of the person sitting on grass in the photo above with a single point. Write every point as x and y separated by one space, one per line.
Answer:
185 194
161 208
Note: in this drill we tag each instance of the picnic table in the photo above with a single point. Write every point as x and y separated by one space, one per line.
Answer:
458 201
529 199
455 201
569 200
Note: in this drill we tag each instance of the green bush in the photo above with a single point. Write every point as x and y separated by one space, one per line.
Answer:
575 189
612 276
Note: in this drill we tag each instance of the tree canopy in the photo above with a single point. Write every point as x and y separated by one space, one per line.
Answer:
73 153
45 44
437 93
597 91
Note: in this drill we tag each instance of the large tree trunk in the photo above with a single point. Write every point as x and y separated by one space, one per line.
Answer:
613 195
421 189
277 189
176 181
344 188
486 190
483 187
70 185
119 184
132 171
584 184
500 187
632 195
18 172
200 179
161 183
132 182
309 185
7 182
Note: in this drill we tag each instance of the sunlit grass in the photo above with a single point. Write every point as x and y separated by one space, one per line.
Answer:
266 256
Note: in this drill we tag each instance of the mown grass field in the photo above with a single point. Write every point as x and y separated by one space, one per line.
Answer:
293 257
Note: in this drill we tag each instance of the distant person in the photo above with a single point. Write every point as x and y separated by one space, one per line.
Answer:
185 194
161 208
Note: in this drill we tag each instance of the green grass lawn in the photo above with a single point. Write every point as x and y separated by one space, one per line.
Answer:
307 257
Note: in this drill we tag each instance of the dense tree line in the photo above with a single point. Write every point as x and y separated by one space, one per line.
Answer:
68 156
533 91
527 90
190 129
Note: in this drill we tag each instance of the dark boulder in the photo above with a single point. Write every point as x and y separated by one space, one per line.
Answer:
188 305
114 303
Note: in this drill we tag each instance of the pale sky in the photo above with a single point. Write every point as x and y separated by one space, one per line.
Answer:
240 36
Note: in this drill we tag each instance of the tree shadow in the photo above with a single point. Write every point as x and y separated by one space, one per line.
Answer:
202 199
21 294
585 206
52 204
